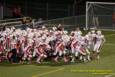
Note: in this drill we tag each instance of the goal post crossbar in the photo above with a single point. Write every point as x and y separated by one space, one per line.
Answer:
107 3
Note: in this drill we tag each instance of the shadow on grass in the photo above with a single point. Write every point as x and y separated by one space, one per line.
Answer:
46 63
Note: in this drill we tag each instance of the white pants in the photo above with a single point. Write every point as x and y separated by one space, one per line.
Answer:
96 47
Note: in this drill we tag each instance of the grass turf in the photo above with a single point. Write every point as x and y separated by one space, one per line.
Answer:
101 68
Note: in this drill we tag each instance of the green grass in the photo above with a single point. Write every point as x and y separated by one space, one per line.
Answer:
106 62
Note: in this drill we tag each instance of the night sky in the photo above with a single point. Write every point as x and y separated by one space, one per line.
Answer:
49 9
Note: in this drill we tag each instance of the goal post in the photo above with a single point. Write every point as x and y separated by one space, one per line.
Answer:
100 15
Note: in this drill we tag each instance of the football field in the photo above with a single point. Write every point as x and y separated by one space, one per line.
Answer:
105 67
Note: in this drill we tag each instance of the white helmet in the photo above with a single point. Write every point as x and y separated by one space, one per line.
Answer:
38 34
13 27
30 40
65 32
98 32
43 38
82 38
88 33
93 31
43 27
54 28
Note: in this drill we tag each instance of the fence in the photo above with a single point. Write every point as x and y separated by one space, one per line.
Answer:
12 22
68 22
104 22
100 22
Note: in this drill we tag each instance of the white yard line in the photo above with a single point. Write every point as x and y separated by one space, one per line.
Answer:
49 72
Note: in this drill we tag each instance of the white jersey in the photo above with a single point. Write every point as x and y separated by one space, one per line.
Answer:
65 38
3 34
48 39
99 38
93 38
13 43
30 35
93 35
38 41
89 39
78 33
99 42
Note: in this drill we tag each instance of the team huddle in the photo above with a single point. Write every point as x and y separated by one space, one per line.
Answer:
56 44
